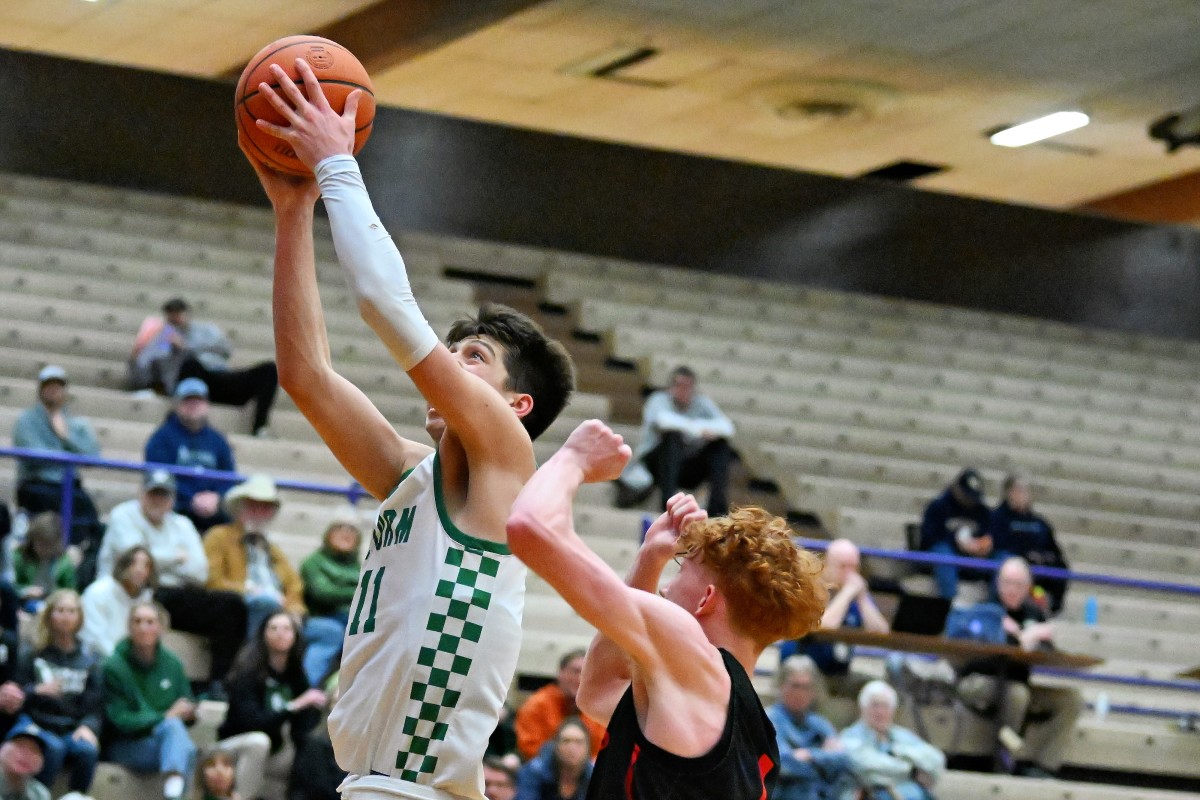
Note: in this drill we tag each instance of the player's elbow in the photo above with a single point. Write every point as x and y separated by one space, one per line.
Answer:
524 533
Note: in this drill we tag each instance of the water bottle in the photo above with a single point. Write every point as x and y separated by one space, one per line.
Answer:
1101 706
1091 610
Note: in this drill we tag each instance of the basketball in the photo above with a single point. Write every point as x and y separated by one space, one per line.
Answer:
339 73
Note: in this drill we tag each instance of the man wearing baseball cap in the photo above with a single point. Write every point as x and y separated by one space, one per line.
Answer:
955 523
21 757
174 347
48 425
182 566
185 439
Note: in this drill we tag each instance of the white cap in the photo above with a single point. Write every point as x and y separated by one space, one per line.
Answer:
52 372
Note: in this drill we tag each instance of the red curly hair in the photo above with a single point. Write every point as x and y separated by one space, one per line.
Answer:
772 587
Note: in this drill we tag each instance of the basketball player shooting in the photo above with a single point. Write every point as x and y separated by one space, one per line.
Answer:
669 674
435 626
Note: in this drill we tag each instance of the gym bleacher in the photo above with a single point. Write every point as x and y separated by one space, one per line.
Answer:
859 409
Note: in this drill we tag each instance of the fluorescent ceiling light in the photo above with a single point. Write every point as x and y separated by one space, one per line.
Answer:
1041 128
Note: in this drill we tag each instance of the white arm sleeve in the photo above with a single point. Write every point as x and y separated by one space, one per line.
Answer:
372 263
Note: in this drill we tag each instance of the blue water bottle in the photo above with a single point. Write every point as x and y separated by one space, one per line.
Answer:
1091 610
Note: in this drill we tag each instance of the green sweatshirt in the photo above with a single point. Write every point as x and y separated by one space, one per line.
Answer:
137 697
26 573
329 582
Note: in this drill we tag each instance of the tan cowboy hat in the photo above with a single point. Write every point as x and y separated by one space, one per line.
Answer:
258 487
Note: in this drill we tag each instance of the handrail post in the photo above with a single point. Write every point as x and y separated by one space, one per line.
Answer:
67 503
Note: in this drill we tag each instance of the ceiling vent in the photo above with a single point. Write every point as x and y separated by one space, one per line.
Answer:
904 171
825 101
610 64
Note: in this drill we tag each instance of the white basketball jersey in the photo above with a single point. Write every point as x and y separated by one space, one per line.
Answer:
431 646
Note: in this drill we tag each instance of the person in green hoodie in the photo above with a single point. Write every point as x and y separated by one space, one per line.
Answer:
330 577
148 703
41 564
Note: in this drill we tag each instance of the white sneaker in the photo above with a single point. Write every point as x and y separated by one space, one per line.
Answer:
173 787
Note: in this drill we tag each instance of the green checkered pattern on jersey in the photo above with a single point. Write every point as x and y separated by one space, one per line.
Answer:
451 638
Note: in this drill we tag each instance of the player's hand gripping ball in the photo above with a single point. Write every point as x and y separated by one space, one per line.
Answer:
339 74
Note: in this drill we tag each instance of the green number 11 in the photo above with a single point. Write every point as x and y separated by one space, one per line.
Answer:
369 625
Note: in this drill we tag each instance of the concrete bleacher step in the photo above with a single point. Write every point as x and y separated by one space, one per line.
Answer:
1027 422
119 303
767 302
931 476
840 331
1060 456
795 369
960 785
825 495
865 357
887 530
899 313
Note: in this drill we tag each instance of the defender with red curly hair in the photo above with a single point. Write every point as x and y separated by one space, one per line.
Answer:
668 671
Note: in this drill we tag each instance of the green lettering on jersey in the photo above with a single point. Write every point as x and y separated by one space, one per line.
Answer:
388 532
406 523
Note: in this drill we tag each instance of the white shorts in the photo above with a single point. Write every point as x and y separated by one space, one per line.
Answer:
381 787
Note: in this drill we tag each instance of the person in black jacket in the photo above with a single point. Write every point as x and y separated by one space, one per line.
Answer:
267 690
64 691
955 523
11 695
1017 530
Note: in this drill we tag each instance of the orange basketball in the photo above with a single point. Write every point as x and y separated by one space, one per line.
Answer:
339 73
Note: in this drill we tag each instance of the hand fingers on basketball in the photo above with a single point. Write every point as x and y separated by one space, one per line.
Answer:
289 88
316 95
278 131
284 108
351 109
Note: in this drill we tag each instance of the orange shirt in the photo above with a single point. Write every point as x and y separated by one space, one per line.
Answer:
538 720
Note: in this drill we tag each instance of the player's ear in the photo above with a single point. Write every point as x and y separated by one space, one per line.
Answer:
708 601
522 404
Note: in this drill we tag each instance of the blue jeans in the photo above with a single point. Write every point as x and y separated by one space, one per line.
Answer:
324 637
60 748
258 608
168 749
945 575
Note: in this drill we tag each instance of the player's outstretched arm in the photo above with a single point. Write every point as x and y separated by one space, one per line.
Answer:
606 670
323 140
355 431
664 641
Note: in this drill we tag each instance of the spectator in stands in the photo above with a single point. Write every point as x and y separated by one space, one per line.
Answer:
21 757
185 439
892 762
562 769
1017 530
63 692
268 691
502 744
330 578
955 523
544 711
684 442
813 764
1050 711
241 559
182 568
41 564
49 426
315 772
850 606
217 777
175 347
499 780
148 704
109 600
12 696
